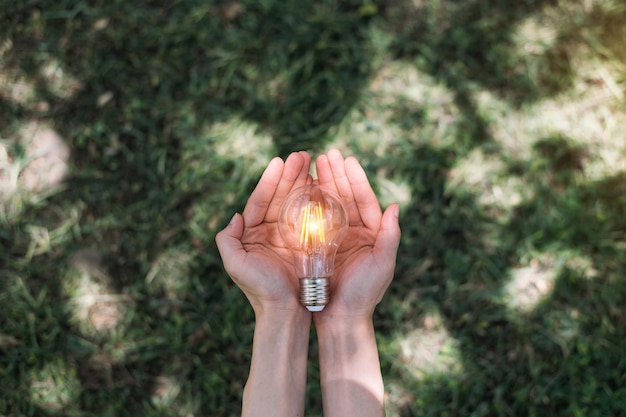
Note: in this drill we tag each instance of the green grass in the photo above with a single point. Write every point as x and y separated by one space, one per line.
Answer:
131 131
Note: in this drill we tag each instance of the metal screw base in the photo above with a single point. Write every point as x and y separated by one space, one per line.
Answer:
314 292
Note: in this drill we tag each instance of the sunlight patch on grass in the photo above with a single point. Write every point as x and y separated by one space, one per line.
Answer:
170 272
9 173
484 176
398 398
423 353
169 388
587 118
54 387
242 141
584 265
393 191
236 152
531 284
59 82
429 349
528 286
534 35
13 87
364 131
402 106
16 89
608 144
52 233
96 308
399 78
166 390
594 126
23 91
40 165
33 165
417 106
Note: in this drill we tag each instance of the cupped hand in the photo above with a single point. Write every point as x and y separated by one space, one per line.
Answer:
365 261
253 253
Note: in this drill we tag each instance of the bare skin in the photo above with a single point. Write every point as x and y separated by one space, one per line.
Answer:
257 260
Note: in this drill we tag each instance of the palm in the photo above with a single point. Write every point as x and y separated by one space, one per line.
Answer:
259 262
267 256
253 252
354 250
363 268
355 264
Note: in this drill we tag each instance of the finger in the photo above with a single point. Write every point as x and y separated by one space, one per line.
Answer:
388 238
294 175
262 196
325 173
337 166
305 177
364 196
229 244
343 187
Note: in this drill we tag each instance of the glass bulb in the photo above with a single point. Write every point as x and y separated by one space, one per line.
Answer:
313 222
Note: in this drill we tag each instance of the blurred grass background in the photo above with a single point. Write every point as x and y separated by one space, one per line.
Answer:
131 131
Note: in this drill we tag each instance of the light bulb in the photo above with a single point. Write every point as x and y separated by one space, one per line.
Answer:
313 222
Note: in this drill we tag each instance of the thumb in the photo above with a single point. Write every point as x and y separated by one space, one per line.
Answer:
388 238
229 241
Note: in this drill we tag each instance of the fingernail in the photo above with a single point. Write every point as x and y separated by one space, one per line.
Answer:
232 220
396 211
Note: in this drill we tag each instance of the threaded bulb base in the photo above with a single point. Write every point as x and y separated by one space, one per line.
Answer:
314 293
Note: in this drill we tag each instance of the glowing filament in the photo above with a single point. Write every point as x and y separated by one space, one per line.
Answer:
312 230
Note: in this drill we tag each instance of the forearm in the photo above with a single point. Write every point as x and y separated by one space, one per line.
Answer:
351 379
277 381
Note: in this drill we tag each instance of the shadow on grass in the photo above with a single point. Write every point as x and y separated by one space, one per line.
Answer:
135 89
561 356
474 43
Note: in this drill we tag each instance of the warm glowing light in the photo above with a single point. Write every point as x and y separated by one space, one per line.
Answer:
312 221
312 231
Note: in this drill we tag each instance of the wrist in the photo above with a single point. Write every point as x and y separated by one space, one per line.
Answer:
333 322
350 375
339 325
297 317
